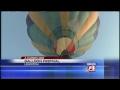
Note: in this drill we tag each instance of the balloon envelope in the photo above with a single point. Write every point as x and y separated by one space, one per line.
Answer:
53 32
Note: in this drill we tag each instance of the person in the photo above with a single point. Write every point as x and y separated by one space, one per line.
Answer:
65 55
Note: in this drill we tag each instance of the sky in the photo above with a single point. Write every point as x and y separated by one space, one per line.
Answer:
16 43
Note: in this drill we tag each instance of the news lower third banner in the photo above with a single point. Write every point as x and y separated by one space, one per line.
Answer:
40 68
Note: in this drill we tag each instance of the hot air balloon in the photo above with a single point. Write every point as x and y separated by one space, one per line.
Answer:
53 32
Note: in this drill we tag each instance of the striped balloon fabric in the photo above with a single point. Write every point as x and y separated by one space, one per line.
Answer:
52 32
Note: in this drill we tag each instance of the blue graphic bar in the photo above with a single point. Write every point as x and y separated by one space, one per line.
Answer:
10 63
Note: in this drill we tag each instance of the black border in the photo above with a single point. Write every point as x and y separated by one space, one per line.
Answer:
57 6
65 5
61 83
0 45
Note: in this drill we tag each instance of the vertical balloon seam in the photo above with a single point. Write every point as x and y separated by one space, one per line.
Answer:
48 19
86 42
40 46
81 22
81 13
31 29
29 22
90 32
64 22
98 23
73 16
82 17
36 18
40 23
58 28
92 18
88 23
60 43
